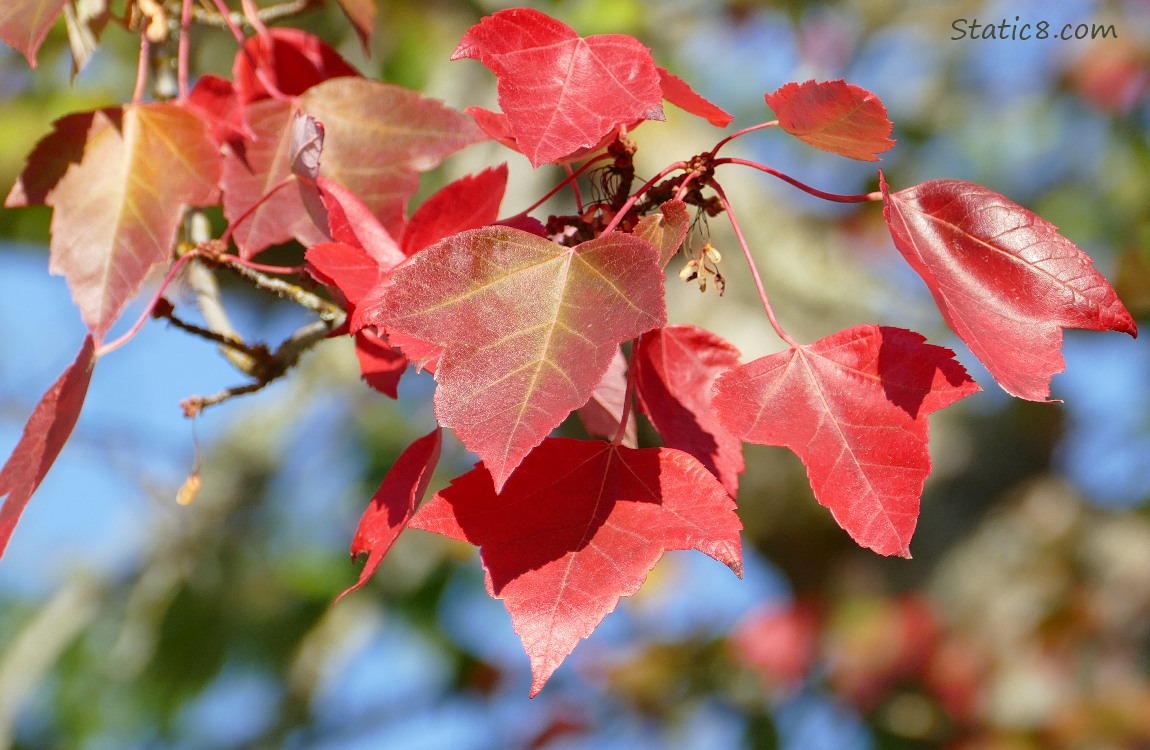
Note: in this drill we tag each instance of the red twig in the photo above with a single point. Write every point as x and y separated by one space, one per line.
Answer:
142 68
571 176
751 262
183 53
744 131
251 209
622 212
147 314
628 397
859 198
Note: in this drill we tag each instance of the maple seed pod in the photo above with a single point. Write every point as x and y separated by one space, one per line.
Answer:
689 271
189 489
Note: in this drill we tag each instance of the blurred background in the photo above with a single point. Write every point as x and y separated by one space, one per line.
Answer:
1023 621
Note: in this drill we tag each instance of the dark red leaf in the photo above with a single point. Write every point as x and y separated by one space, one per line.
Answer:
393 504
25 23
468 203
119 182
675 368
560 92
528 328
44 436
577 526
1005 280
834 116
292 60
679 92
380 363
853 406
349 269
214 99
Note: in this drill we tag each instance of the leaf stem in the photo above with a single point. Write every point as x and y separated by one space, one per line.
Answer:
628 397
859 198
142 68
147 314
744 131
574 182
622 212
751 262
182 54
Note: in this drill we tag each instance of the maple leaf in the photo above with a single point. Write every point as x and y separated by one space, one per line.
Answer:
1005 280
470 202
119 181
853 406
559 91
393 504
528 328
675 368
261 171
578 526
602 412
43 438
834 116
215 100
25 23
380 364
292 60
679 92
667 230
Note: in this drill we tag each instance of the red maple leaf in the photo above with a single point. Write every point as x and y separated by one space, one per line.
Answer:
44 436
393 504
119 181
675 368
579 525
1005 280
470 202
528 328
679 92
290 59
559 91
834 116
853 406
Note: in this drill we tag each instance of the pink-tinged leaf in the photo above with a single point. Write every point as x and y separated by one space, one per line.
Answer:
468 203
854 407
560 92
1005 280
679 92
393 504
119 182
260 175
675 368
602 412
25 23
361 13
834 116
380 136
44 436
528 328
578 526
667 230
292 60
380 364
